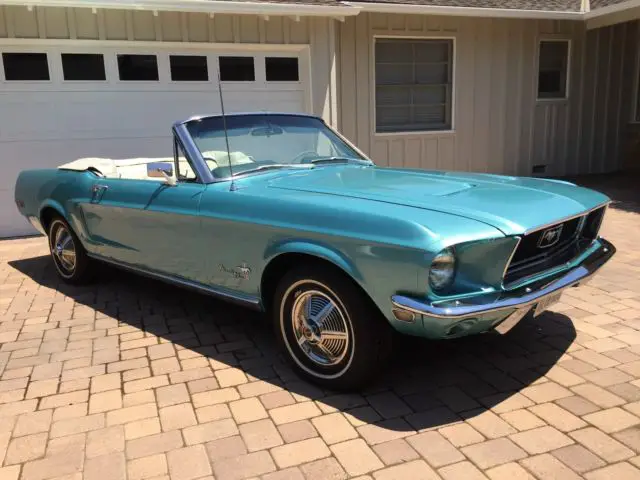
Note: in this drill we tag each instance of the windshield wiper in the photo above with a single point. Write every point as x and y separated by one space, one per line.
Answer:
341 160
273 166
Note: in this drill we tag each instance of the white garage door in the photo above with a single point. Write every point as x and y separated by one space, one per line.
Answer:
60 103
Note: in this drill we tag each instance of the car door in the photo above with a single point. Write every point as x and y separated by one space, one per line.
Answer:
148 223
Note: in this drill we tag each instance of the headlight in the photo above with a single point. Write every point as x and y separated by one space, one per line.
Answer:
443 269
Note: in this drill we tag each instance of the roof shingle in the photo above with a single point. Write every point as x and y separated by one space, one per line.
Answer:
595 4
539 5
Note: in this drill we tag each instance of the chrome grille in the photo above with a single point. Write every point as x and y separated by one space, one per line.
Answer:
543 249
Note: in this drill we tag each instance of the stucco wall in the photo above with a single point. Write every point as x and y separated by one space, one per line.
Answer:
499 126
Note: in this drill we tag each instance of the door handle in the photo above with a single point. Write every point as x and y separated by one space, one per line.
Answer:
97 192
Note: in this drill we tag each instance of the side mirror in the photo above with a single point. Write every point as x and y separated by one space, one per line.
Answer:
169 179
162 170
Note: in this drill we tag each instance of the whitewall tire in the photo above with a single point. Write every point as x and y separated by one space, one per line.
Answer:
328 328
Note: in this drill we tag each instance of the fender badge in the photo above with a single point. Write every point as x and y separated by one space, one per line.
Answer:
242 271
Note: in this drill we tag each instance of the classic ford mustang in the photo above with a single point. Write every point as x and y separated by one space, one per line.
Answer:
280 212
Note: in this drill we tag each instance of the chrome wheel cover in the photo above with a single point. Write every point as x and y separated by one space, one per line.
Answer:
320 328
64 250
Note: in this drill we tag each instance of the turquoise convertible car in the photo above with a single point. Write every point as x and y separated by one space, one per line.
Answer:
281 213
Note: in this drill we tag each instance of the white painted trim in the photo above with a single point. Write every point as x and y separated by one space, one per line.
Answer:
205 6
567 87
619 7
372 79
464 11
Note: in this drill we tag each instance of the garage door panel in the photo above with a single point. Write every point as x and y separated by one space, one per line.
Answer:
75 116
45 124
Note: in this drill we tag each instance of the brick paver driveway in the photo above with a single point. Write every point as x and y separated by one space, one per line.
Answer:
133 379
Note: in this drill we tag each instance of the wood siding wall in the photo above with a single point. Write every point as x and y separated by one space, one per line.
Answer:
128 25
611 70
499 126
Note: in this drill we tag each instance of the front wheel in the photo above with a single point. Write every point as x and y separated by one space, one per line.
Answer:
331 332
69 256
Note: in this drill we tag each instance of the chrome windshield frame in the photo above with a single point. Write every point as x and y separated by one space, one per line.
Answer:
192 152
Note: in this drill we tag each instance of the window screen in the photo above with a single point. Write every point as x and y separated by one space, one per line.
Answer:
413 84
237 69
281 69
83 66
189 68
552 69
138 67
25 66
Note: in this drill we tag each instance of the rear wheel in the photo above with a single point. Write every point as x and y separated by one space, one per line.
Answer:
69 256
330 331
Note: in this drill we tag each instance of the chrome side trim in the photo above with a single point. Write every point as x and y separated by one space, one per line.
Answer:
510 301
566 219
223 295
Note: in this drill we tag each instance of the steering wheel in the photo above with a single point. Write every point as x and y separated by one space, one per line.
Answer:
301 156
209 159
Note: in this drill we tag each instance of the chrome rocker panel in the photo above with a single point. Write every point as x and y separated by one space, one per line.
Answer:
524 297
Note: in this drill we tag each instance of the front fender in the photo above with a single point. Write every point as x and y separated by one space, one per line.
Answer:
314 249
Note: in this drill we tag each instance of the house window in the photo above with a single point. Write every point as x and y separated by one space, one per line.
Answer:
83 66
414 84
138 67
237 69
281 69
189 68
553 64
25 66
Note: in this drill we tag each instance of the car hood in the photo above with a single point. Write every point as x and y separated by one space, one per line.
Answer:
510 204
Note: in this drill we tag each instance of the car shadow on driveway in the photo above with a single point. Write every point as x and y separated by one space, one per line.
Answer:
427 384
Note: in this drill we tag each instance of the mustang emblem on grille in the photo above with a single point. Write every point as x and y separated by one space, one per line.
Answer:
550 237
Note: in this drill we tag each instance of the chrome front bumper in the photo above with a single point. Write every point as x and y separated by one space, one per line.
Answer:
509 301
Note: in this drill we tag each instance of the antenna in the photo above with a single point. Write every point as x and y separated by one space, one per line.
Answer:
226 135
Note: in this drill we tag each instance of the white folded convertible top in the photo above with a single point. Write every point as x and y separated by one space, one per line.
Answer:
137 168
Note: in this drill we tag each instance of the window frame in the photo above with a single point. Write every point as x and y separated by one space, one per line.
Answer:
141 53
372 106
255 60
50 70
208 65
74 52
567 87
288 82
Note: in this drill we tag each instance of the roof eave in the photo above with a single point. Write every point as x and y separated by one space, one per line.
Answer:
200 6
464 11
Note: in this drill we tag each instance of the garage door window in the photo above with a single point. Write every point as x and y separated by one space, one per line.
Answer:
281 69
188 68
25 66
237 69
83 66
138 67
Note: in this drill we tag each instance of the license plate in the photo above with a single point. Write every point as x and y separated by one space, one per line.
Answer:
545 303
512 320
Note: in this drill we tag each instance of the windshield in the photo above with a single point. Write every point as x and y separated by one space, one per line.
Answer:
264 142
